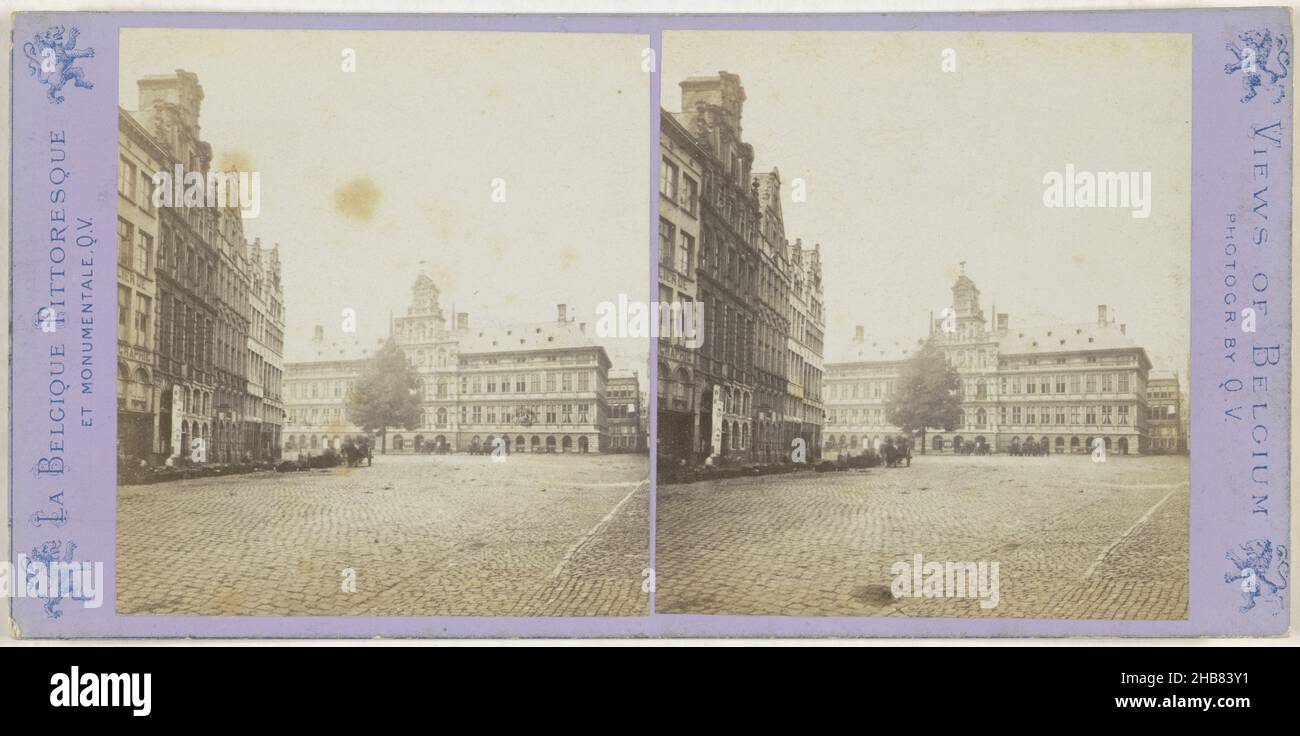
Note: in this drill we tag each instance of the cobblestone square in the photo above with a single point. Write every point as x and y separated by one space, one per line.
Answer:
1074 539
445 535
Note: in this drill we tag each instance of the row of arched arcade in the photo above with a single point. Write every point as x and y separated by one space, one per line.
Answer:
959 444
402 442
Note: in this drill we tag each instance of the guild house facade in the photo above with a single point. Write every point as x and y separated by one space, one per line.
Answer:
754 384
543 387
1164 404
200 308
1065 384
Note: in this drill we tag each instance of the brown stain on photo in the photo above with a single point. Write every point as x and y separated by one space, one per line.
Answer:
236 160
568 257
357 199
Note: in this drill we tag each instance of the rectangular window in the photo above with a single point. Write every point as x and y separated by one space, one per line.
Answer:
143 314
143 250
1105 414
1090 416
125 234
1107 382
684 253
1074 383
1060 384
584 380
1123 415
566 414
1123 382
550 382
566 381
582 413
492 414
478 415
491 384
1045 385
667 236
1015 415
1090 384
535 383
146 192
668 179
123 308
126 179
690 194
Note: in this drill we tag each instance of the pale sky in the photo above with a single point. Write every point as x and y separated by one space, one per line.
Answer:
910 170
414 139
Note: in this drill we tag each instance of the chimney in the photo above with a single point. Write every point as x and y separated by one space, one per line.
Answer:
1004 322
1123 329
1101 314
560 312
582 327
462 320
859 333
318 334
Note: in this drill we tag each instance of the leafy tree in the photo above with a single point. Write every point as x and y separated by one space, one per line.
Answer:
386 395
927 395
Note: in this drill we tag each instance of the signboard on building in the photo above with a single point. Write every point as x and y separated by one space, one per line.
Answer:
717 421
178 414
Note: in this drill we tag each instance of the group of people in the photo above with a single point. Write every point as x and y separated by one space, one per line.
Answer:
354 451
1030 447
896 451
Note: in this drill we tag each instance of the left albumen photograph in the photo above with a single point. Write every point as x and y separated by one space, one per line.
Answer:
378 339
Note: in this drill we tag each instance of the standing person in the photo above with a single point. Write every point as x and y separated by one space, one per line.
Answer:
370 453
